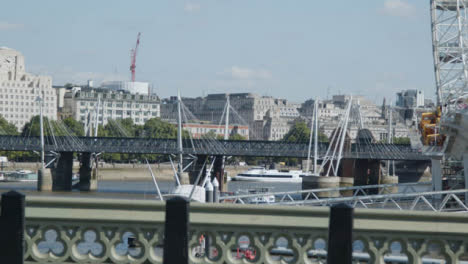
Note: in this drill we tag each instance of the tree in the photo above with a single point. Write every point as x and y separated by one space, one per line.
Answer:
156 128
7 128
210 135
401 140
74 126
232 137
300 133
33 127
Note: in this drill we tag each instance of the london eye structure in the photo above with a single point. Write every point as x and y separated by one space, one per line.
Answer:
450 50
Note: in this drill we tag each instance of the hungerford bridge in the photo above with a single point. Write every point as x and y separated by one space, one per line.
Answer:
379 151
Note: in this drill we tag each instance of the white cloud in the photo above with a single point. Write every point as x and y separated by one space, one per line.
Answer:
398 8
240 73
191 7
10 26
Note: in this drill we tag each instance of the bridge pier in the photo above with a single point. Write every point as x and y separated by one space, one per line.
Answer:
44 180
218 172
436 165
63 172
88 174
347 174
366 172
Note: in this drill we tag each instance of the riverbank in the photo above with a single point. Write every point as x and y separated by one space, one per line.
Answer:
126 171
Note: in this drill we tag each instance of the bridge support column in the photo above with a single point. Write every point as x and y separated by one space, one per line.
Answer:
44 180
218 172
320 182
347 176
62 174
88 174
436 170
194 172
366 172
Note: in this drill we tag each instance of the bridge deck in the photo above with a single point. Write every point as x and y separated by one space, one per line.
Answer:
202 147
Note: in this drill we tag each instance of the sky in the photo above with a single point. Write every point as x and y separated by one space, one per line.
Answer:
288 49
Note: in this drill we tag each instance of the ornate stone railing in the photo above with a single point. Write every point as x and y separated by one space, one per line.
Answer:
85 230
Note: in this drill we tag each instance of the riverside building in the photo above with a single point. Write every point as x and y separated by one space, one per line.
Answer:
268 118
19 90
81 102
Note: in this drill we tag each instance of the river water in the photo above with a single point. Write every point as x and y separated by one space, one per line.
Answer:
139 189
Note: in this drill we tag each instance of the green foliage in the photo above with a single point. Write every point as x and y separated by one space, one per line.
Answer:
156 128
33 127
401 140
74 126
232 137
211 135
7 128
300 133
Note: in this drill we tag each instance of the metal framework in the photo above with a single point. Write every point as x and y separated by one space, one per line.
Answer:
198 147
407 199
450 43
303 195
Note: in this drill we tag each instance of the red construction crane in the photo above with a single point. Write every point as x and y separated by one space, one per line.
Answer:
133 54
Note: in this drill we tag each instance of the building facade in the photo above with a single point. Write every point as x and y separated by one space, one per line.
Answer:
265 116
21 92
130 87
410 99
197 130
80 103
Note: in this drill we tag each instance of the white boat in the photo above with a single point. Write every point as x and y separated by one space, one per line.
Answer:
267 198
261 174
20 176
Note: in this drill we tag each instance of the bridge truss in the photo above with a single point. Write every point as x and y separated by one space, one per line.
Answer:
198 147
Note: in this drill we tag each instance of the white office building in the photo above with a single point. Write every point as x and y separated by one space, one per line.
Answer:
80 103
131 87
20 90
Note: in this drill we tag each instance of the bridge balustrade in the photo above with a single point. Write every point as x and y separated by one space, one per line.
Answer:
85 230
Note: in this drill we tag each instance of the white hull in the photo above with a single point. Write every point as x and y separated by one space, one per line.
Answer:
266 179
264 175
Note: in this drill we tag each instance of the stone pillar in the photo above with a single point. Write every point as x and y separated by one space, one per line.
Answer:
184 178
88 176
321 182
196 167
218 172
44 180
389 179
436 174
63 172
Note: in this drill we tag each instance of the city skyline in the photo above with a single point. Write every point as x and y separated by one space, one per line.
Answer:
269 48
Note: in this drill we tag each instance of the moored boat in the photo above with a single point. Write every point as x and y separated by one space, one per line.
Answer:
261 174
